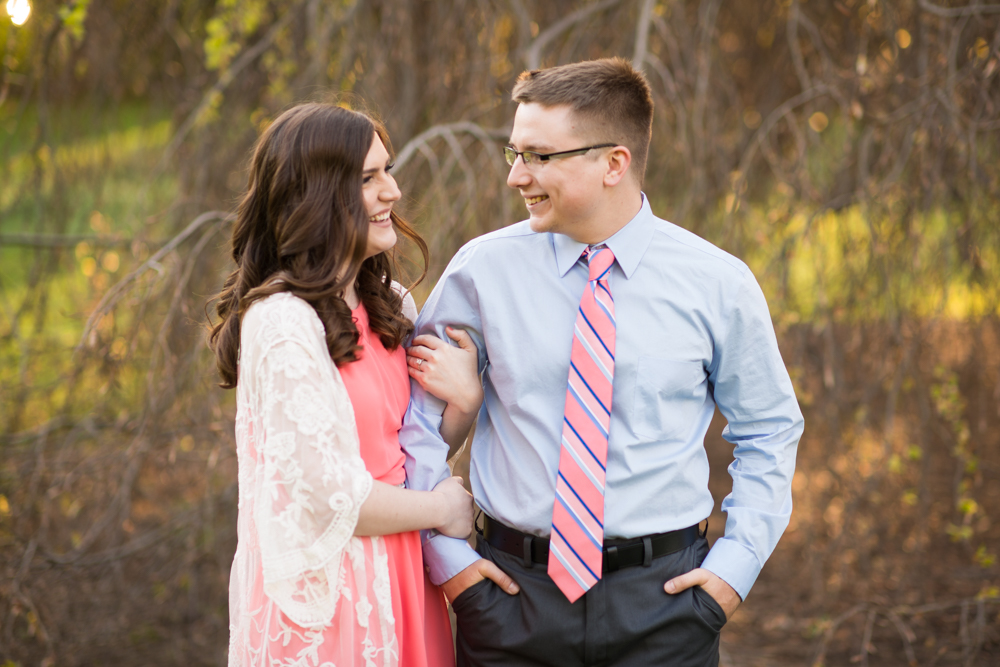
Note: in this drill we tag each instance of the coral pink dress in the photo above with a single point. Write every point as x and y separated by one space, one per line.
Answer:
310 440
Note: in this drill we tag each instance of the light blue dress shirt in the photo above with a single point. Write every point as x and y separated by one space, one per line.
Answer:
693 331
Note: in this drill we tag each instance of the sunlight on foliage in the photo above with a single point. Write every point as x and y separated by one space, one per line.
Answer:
19 11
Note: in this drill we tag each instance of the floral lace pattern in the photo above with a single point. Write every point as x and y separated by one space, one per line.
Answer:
303 590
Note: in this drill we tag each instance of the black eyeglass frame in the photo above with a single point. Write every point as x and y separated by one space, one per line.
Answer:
510 154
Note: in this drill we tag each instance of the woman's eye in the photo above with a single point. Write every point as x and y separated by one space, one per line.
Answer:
389 167
366 180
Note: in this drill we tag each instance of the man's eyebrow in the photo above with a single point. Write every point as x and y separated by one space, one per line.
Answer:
533 148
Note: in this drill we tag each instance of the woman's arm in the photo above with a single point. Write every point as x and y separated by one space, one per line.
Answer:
311 492
392 509
452 374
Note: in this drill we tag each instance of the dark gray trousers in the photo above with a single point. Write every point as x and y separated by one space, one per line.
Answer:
626 619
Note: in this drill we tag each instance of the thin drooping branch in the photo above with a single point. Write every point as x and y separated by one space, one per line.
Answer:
112 296
642 34
62 240
533 57
957 12
226 77
487 136
795 47
765 129
707 14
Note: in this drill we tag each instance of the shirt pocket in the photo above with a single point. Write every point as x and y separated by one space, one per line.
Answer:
668 393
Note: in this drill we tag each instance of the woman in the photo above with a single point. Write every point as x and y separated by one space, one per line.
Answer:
328 569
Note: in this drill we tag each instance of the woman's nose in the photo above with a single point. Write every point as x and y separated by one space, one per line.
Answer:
391 190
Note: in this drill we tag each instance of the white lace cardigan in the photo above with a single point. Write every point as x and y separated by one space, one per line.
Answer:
301 484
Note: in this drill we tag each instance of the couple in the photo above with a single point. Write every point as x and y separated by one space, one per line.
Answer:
598 339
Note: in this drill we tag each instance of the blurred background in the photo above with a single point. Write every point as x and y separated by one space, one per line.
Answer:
848 150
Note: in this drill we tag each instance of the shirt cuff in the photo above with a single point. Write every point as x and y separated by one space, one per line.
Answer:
734 563
447 556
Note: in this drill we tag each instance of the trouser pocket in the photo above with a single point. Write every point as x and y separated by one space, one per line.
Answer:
537 626
706 607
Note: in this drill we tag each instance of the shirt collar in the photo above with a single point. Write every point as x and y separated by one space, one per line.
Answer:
628 244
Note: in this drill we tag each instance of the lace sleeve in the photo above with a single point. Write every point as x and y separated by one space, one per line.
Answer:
314 480
409 305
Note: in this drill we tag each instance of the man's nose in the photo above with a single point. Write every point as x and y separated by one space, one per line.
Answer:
519 175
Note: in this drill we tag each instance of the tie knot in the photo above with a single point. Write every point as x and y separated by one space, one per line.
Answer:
599 260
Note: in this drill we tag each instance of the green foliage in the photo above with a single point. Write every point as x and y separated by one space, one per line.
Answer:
73 16
951 407
234 22
811 261
984 558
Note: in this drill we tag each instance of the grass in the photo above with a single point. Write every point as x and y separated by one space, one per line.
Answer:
88 162
84 182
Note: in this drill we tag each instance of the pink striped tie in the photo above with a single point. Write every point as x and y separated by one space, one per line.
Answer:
577 539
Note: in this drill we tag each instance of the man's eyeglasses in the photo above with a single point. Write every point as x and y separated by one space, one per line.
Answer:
532 159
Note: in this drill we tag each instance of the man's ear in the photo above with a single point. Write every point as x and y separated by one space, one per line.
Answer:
619 160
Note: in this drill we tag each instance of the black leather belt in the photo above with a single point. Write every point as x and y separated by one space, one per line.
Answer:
618 554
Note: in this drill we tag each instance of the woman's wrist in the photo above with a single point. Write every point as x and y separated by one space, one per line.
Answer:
438 508
468 405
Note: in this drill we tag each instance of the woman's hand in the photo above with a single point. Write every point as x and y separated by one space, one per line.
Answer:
448 372
457 508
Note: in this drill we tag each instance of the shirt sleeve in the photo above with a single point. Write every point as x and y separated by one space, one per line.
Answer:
755 394
314 480
452 303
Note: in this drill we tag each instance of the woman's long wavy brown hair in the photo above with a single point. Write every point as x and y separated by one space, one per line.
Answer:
303 220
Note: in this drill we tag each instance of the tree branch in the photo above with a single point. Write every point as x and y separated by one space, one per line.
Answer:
113 294
955 12
642 34
533 58
61 240
487 136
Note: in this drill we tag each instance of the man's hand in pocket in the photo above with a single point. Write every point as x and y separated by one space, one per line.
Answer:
481 569
723 593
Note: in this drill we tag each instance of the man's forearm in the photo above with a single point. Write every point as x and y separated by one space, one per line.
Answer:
456 422
446 556
426 465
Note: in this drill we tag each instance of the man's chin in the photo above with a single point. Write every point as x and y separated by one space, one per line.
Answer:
540 225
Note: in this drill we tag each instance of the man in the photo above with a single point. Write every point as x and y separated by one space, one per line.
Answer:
607 337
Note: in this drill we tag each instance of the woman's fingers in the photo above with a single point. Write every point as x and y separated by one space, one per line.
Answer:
419 351
418 375
418 356
462 337
427 340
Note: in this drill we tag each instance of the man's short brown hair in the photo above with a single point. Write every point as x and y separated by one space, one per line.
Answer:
611 98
